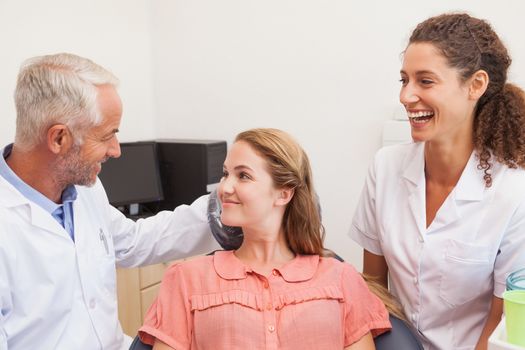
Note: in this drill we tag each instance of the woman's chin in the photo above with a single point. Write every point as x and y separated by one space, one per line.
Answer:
418 137
228 221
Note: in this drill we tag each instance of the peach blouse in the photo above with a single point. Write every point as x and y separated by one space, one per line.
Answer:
217 302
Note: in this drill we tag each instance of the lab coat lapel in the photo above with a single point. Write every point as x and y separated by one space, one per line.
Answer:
44 220
471 185
447 214
82 221
470 188
11 198
87 226
414 180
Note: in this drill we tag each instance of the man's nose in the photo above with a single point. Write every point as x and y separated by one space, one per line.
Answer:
114 148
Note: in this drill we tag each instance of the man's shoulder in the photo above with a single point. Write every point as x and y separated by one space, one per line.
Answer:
9 195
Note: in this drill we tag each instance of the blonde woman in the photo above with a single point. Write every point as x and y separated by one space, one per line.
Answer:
276 291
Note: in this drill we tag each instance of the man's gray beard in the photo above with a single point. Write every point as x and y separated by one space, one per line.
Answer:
71 170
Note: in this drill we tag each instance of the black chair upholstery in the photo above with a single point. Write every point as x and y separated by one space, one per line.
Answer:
400 337
138 345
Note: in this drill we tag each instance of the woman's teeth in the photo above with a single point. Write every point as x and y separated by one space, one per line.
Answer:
421 116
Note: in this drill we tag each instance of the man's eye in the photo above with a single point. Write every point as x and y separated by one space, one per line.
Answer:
427 82
403 81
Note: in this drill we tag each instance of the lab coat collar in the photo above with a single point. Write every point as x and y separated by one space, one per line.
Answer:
470 187
414 165
9 195
11 198
414 176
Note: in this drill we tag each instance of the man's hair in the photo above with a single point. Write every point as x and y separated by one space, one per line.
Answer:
57 89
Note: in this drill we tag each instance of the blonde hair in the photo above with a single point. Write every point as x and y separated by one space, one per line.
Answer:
289 167
391 303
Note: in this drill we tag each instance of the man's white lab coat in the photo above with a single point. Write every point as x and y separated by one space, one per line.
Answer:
59 294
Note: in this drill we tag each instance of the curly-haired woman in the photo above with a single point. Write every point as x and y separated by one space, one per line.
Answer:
444 217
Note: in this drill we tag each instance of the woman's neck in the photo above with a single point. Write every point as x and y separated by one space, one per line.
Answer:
445 162
264 252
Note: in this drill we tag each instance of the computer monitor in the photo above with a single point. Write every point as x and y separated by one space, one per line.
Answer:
134 177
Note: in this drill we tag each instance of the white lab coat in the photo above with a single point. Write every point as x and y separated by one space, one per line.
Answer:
444 275
58 294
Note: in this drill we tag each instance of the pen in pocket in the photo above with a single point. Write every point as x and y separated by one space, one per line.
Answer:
104 241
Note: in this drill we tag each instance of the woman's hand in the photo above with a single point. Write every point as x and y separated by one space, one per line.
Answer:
496 310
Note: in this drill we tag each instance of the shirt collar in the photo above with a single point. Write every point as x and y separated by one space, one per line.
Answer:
414 164
470 187
229 267
69 194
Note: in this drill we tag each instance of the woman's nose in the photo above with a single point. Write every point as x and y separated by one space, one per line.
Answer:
225 186
408 95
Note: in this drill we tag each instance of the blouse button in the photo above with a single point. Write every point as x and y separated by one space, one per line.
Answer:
269 306
275 273
265 284
271 328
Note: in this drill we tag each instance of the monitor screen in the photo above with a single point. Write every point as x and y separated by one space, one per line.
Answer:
134 177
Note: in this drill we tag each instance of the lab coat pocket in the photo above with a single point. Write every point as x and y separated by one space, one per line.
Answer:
465 272
107 274
106 263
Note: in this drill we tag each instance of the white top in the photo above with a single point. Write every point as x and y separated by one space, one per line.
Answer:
56 294
444 275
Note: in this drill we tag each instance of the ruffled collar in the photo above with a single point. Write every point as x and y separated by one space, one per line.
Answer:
229 267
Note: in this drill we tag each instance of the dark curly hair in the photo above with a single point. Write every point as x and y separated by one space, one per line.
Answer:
470 44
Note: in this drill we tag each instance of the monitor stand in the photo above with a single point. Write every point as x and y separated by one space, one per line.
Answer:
134 209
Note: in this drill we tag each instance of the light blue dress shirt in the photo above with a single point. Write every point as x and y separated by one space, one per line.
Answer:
63 213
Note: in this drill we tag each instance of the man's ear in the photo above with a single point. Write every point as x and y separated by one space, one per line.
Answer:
478 84
285 196
59 139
